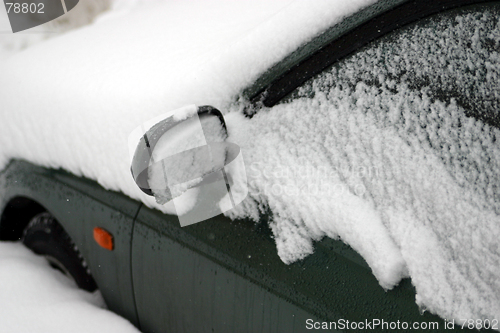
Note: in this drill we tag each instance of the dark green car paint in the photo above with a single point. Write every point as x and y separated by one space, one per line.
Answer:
80 205
218 275
232 278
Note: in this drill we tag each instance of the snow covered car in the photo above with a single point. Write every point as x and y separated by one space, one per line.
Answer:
369 131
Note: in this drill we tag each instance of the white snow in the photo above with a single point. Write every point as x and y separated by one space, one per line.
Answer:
186 147
357 162
93 86
186 170
38 298
84 13
185 136
411 183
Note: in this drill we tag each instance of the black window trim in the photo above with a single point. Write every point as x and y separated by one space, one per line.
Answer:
395 18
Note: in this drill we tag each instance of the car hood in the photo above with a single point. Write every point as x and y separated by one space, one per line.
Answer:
71 102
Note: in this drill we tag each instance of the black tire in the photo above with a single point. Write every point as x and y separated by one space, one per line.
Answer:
45 236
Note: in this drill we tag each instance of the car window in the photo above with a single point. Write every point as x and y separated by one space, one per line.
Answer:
453 56
435 83
400 137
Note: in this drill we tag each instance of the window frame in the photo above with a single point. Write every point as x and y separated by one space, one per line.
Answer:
312 59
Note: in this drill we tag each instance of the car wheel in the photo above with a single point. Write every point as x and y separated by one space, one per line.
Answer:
45 236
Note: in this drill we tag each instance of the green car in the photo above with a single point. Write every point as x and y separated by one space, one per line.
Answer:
225 275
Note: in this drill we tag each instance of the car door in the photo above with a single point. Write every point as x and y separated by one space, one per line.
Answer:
79 205
225 276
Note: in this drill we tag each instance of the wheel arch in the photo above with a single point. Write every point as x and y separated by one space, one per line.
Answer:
78 204
16 215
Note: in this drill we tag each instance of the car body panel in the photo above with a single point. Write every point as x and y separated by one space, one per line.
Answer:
226 275
80 205
178 289
218 274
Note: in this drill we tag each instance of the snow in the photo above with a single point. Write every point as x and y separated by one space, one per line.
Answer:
409 181
184 148
185 154
84 13
94 85
38 298
383 167
308 197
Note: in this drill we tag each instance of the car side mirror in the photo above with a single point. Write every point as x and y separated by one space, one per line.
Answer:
169 144
186 150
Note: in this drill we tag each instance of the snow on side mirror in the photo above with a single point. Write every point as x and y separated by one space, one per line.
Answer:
186 151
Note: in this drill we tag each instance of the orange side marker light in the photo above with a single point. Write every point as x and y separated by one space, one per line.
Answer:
103 238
